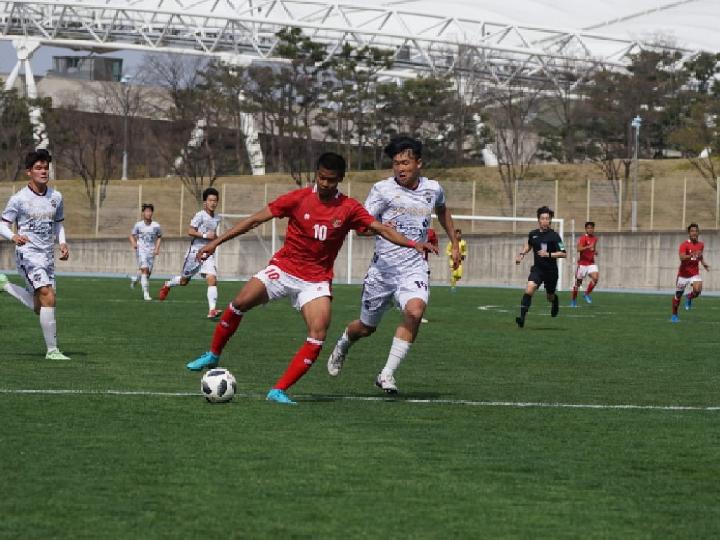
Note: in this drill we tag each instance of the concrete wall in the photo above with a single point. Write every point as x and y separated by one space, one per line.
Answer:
634 261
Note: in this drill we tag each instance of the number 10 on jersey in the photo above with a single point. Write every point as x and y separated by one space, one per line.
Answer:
320 232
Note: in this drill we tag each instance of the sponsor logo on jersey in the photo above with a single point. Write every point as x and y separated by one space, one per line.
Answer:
306 216
337 223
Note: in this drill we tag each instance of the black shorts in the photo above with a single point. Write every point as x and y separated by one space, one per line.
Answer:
539 277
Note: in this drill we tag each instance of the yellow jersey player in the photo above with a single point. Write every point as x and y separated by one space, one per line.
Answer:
456 273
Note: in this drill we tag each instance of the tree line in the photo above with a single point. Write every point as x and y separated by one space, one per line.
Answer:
349 104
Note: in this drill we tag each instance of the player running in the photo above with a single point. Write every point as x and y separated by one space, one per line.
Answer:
37 211
319 219
203 230
397 274
145 239
691 255
587 247
456 271
547 248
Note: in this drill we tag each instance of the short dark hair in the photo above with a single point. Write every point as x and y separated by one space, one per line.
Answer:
401 144
332 162
458 230
591 223
210 191
37 155
545 210
693 225
146 205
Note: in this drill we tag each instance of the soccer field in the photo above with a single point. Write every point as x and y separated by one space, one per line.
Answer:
601 423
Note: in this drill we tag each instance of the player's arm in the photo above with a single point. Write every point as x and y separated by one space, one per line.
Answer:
6 232
446 221
133 240
560 253
523 252
195 233
391 235
60 235
241 227
581 246
685 255
158 240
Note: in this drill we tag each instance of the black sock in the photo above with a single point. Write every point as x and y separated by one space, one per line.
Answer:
525 305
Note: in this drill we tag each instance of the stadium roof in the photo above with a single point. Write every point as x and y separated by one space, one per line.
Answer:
504 39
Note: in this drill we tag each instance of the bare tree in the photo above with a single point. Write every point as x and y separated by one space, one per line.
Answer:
15 134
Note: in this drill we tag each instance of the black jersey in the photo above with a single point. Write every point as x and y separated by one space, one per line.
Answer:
549 241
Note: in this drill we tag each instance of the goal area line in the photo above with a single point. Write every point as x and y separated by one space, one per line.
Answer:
329 398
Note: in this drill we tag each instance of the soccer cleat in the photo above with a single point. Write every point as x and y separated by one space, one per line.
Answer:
674 318
520 322
213 313
55 354
133 282
424 320
555 307
279 396
204 361
164 291
587 298
147 297
573 303
335 362
386 383
3 281
688 301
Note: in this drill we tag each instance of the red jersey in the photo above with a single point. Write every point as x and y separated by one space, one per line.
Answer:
432 239
587 256
316 231
690 267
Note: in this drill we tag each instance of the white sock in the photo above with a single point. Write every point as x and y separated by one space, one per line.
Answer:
174 282
344 342
47 323
135 277
26 298
398 351
144 284
212 297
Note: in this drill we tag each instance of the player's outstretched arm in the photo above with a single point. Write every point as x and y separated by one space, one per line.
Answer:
390 234
241 227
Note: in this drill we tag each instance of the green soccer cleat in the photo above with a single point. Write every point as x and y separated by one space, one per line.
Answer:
3 281
206 360
55 354
279 396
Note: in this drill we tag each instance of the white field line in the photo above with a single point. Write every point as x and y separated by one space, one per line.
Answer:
471 403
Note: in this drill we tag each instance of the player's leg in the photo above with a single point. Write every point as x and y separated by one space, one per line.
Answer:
413 297
19 293
694 293
594 276
579 275
190 267
135 278
680 285
46 299
253 293
375 299
551 293
317 319
532 285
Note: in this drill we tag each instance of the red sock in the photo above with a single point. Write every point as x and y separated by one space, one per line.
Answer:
676 303
300 364
591 286
574 292
690 295
225 329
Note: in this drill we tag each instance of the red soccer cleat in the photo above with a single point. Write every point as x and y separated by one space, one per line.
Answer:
164 291
213 313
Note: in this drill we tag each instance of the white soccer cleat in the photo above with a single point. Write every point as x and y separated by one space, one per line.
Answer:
147 297
335 362
386 383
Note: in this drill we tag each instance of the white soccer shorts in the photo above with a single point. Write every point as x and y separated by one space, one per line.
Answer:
146 259
191 266
683 282
37 267
382 291
279 284
582 270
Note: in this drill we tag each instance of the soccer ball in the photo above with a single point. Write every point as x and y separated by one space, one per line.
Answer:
218 385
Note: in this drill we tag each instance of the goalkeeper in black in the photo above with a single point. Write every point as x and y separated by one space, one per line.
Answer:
547 248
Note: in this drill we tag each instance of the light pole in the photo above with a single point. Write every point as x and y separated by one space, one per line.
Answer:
126 109
634 214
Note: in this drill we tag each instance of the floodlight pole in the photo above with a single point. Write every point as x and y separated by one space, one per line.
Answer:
126 106
634 210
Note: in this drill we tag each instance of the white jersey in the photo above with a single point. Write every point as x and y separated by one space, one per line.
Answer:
146 235
409 212
35 216
204 223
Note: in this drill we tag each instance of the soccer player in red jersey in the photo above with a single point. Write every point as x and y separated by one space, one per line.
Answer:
691 255
319 219
587 248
